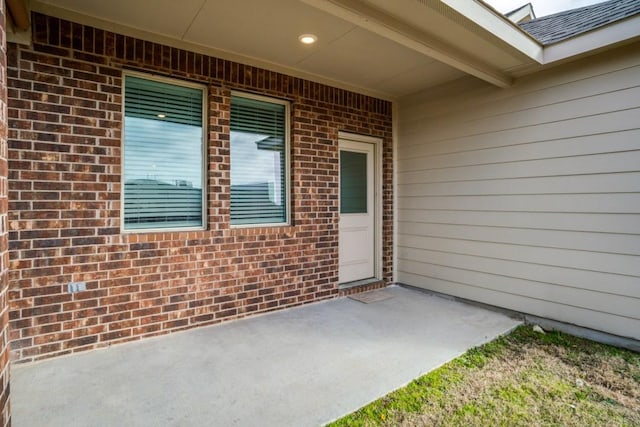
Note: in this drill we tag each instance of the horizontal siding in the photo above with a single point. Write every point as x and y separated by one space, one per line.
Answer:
602 321
611 122
601 203
613 142
479 100
592 222
621 182
543 120
584 260
625 306
626 161
528 198
610 283
625 244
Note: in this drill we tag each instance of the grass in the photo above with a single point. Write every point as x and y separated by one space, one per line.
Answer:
523 379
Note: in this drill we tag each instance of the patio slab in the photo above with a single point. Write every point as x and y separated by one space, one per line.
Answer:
304 366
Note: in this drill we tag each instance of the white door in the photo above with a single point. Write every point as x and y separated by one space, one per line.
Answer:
357 216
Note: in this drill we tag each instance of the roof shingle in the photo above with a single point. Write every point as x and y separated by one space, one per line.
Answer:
560 26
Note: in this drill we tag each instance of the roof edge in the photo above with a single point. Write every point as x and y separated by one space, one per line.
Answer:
604 37
523 11
492 21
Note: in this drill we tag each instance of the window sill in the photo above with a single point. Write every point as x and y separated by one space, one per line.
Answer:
162 230
261 230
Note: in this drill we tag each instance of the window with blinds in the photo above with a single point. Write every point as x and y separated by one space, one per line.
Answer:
259 141
163 155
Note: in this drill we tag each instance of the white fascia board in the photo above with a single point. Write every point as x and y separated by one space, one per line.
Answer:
599 38
521 13
499 26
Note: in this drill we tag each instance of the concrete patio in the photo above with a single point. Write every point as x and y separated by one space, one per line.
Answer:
299 367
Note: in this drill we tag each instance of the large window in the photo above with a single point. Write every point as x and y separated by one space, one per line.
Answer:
163 154
259 172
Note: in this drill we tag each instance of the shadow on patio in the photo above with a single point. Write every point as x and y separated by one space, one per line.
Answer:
297 367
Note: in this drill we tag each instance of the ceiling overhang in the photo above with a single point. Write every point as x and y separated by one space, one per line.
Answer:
389 23
166 40
412 44
387 49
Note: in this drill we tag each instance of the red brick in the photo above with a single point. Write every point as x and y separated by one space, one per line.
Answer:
66 120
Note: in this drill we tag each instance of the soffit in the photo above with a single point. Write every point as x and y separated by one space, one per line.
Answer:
167 17
264 33
452 31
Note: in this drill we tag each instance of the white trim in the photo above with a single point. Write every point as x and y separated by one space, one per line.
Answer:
607 35
19 37
287 162
358 138
395 120
204 157
377 193
498 25
59 12
517 15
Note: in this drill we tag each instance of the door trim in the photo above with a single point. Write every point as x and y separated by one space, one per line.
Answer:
377 194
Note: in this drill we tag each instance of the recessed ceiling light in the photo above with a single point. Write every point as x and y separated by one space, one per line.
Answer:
162 116
308 38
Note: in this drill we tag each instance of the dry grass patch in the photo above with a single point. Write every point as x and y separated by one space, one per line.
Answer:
525 378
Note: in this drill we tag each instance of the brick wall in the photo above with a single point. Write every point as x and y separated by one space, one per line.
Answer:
65 181
5 411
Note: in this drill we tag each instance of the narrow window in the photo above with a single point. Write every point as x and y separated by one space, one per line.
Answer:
259 172
163 155
353 182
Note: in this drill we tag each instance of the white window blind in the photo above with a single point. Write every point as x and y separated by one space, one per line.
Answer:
163 167
258 161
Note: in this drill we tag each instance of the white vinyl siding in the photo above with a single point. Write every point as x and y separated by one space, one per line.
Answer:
529 197
162 155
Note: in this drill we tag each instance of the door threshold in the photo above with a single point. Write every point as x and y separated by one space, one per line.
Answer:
361 282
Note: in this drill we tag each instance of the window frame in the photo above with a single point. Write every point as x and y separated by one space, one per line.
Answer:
203 159
287 160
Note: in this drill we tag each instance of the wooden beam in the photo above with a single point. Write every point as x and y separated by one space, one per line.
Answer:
19 14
